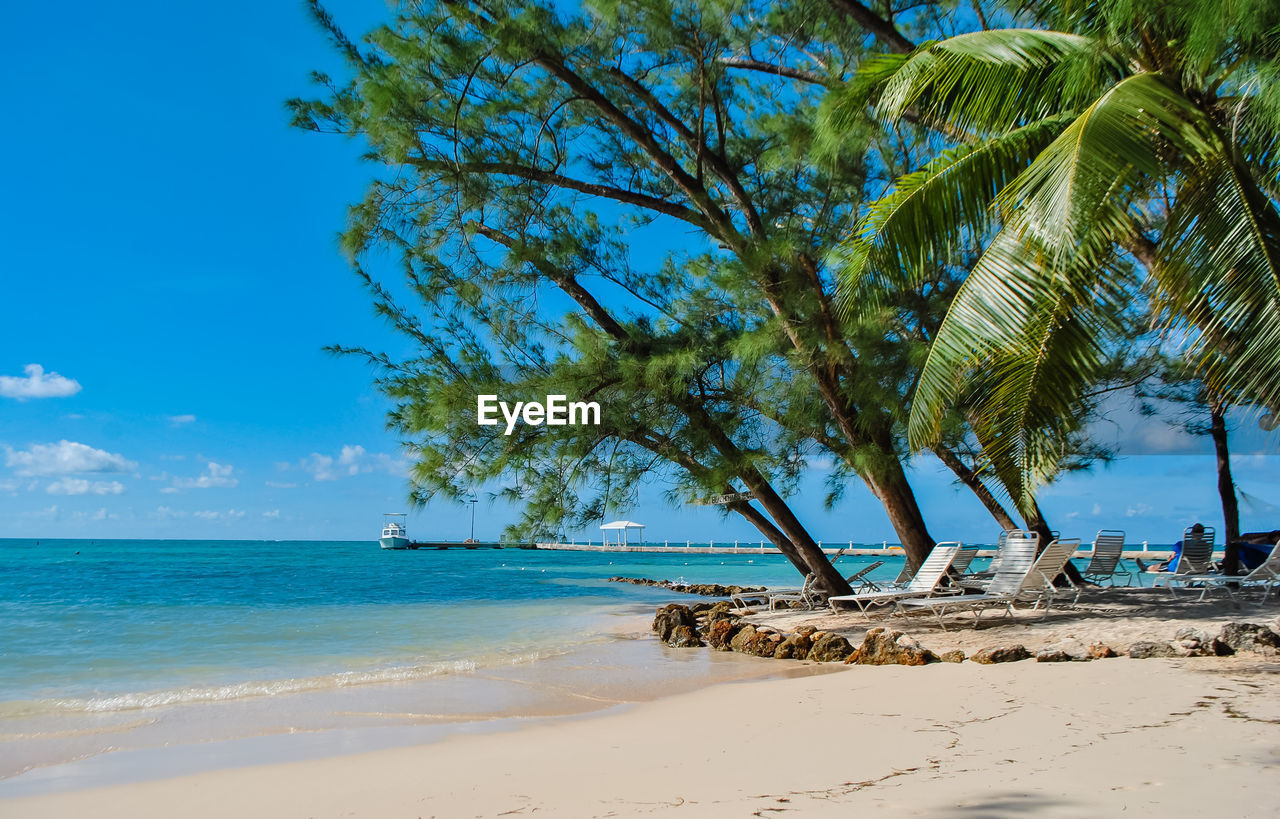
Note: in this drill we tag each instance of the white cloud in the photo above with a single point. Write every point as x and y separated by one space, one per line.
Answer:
1136 510
274 513
1097 509
1071 515
65 458
80 486
37 384
216 475
165 513
351 460
278 485
179 420
209 514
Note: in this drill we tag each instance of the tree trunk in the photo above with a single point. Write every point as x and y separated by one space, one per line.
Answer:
1036 523
888 481
1226 486
970 479
771 532
829 579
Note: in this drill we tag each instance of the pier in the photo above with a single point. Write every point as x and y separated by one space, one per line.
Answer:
734 548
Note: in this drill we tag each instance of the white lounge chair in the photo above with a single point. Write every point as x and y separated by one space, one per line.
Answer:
1019 537
740 599
925 581
1194 561
1105 563
807 594
1003 590
1039 584
1266 575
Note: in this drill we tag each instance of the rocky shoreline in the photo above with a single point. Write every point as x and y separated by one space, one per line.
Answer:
721 628
704 589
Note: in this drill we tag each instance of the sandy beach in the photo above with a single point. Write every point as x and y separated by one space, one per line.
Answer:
1158 737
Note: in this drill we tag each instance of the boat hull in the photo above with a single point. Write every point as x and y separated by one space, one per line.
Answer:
394 542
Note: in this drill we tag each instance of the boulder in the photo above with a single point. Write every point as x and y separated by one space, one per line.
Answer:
721 611
1192 642
720 632
1250 637
829 648
685 637
795 646
745 637
1145 650
1099 651
955 655
766 644
1001 654
1065 651
883 646
671 617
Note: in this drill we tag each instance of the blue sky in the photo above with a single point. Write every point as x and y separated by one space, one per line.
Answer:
171 256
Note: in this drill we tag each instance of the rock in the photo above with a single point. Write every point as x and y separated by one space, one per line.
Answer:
1001 654
1250 637
955 655
1099 651
796 646
1145 649
721 611
720 632
883 646
1065 651
671 617
830 648
746 636
700 608
704 589
684 637
766 644
1192 642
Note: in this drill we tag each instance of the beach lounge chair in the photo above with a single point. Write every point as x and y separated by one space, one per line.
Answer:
1267 575
860 579
1105 562
741 599
926 581
1003 589
979 580
1039 585
1195 559
806 594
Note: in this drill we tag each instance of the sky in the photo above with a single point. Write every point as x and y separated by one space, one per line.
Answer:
171 277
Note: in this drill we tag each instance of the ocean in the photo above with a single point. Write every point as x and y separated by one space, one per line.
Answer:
113 648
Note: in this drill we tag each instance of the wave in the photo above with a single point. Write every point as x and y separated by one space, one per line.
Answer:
197 694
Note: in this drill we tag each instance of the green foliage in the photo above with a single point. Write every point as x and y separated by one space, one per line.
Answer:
1132 131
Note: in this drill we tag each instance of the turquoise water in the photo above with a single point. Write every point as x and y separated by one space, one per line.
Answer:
108 625
122 660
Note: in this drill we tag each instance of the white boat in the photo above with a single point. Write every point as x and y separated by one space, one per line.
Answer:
394 535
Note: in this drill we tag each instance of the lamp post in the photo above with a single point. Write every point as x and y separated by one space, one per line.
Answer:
473 501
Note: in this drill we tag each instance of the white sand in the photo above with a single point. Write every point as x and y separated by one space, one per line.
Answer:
1164 738
1151 738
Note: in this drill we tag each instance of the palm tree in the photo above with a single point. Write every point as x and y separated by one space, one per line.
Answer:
1128 153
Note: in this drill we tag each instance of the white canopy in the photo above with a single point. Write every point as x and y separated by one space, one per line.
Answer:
622 524
622 527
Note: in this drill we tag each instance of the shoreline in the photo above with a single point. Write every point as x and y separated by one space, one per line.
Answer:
1063 740
624 667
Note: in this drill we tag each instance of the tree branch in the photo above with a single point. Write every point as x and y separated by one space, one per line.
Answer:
884 31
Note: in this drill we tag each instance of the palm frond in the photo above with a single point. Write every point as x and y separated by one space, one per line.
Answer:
1220 268
929 214
990 81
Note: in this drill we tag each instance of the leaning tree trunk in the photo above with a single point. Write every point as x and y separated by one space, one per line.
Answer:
1036 523
970 479
1226 486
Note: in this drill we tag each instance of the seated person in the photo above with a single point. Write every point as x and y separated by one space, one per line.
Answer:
1171 564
